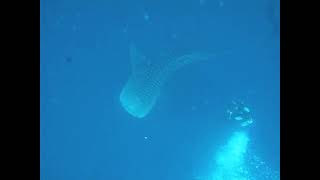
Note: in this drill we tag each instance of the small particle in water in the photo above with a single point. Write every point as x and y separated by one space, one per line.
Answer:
68 59
221 3
146 16
77 14
202 2
174 36
54 100
146 137
59 20
75 28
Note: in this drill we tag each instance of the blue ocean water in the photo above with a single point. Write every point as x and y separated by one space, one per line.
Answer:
85 133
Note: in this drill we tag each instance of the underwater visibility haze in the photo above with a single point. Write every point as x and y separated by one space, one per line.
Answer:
160 90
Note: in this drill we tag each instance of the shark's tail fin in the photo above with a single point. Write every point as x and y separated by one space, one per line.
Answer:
187 59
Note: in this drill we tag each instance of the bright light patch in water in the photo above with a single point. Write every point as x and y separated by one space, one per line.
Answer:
232 154
234 162
230 160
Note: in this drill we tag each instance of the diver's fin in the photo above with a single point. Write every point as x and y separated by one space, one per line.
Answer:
138 61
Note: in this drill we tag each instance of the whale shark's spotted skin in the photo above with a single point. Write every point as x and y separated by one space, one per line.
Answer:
141 91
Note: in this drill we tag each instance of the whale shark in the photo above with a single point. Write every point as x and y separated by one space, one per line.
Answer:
142 89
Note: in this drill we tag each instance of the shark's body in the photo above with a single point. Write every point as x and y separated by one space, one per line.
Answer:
143 87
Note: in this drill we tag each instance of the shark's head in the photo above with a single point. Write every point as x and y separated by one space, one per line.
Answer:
133 104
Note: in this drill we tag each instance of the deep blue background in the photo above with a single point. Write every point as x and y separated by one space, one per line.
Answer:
85 133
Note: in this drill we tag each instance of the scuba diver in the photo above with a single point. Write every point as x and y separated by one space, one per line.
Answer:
235 159
238 111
